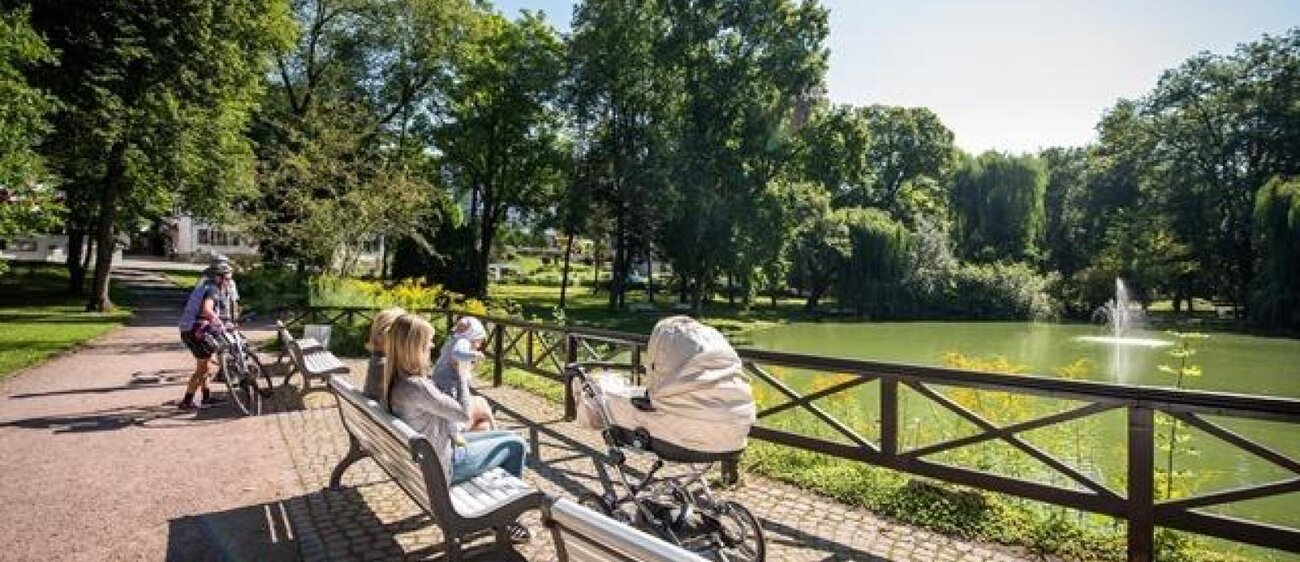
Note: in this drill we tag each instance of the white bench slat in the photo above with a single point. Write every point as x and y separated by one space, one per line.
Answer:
580 530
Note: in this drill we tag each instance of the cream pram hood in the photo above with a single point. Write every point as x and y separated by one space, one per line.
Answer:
700 396
692 372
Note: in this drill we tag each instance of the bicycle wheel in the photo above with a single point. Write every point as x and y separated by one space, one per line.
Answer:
740 535
242 394
257 372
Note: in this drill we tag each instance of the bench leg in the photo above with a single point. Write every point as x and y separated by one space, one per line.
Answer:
354 454
454 553
503 541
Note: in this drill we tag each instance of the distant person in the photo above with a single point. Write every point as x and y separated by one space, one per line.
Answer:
457 361
200 318
378 341
409 394
232 308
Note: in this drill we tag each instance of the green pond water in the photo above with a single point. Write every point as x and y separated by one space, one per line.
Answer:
1096 445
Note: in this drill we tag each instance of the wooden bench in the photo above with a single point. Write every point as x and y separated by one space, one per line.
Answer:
307 356
583 535
489 501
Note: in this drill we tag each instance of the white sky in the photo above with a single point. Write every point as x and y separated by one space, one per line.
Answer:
1016 75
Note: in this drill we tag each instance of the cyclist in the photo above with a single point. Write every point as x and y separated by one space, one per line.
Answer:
232 308
229 311
201 317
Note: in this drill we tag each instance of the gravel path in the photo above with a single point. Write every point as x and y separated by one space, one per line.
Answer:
96 463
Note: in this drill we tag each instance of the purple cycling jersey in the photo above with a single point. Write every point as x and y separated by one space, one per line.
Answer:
191 319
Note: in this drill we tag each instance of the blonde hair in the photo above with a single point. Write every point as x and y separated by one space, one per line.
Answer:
407 349
379 328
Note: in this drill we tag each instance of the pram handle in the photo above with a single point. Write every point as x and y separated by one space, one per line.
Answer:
584 366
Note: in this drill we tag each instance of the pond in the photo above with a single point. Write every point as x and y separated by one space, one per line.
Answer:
1230 362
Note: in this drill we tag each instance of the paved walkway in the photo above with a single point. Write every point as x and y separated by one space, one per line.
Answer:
98 465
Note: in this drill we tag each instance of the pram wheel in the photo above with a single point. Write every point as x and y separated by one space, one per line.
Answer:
739 534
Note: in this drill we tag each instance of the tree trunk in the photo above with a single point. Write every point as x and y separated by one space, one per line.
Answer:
76 270
618 269
564 277
487 231
697 298
105 236
650 276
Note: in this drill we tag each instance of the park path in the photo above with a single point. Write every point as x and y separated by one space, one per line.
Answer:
96 463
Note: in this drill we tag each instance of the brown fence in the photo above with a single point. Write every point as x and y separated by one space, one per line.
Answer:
544 350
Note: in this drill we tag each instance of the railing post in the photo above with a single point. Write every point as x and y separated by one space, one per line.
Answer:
636 377
528 349
451 321
570 356
1141 485
888 416
499 336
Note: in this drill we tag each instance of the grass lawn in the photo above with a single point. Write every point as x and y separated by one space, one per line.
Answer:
586 309
39 319
183 279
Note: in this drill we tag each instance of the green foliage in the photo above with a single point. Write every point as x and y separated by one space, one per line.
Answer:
22 120
1277 224
911 155
997 206
1171 483
872 277
500 139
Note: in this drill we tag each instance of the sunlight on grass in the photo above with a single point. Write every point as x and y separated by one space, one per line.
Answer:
41 320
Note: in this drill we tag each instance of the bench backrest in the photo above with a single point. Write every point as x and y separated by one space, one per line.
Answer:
583 535
405 454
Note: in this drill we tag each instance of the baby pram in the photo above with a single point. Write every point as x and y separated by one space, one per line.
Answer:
695 410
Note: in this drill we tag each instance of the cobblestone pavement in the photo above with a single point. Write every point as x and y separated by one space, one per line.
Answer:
372 519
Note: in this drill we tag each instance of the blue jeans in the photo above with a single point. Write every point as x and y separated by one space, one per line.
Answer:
486 450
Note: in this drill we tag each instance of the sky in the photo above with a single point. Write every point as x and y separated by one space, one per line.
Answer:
1015 75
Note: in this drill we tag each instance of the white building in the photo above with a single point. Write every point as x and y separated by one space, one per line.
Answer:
194 239
44 247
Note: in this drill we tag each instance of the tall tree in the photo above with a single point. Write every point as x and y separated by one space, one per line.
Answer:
1222 126
155 99
27 200
1277 218
997 206
736 71
911 154
500 136
620 116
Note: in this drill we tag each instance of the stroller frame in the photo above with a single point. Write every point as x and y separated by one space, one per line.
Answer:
667 504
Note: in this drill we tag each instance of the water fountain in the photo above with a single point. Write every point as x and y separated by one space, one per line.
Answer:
1122 318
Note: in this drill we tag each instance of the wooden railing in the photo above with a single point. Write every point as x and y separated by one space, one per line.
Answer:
545 349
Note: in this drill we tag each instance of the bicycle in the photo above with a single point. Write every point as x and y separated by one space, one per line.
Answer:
242 369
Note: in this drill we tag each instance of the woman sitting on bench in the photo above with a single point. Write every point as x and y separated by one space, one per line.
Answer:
410 394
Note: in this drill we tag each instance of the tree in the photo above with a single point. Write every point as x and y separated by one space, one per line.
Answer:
353 99
1277 219
910 154
871 280
620 116
820 242
344 196
154 100
500 135
836 153
1221 127
735 72
997 206
27 201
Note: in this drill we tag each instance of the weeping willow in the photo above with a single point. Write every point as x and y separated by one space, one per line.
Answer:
1277 228
871 280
